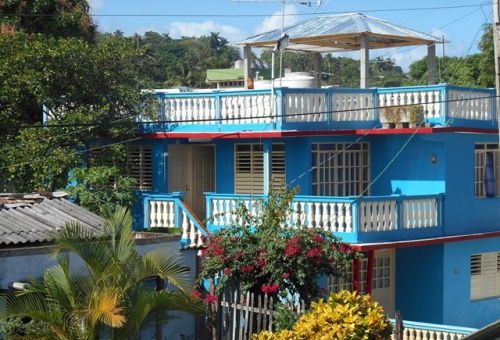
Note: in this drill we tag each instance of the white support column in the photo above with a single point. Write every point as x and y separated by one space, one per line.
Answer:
247 64
267 147
431 64
365 62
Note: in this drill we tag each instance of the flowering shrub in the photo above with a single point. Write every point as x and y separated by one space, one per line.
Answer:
346 316
263 252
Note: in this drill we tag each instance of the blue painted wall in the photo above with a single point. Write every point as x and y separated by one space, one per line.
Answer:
419 283
459 310
433 284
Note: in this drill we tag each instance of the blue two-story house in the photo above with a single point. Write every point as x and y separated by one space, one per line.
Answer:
421 203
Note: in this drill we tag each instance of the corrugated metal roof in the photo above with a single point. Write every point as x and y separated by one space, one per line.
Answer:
340 33
33 218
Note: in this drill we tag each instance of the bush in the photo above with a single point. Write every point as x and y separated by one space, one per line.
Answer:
267 252
346 316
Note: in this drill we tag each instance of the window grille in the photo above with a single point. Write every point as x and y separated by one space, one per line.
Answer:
340 169
481 153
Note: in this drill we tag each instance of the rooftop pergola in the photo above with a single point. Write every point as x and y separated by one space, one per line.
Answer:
341 33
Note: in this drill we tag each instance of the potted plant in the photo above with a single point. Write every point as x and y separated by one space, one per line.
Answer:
392 115
415 115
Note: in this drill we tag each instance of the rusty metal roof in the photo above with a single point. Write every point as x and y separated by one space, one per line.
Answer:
26 219
342 32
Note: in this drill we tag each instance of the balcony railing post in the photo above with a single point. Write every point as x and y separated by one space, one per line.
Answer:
279 113
146 208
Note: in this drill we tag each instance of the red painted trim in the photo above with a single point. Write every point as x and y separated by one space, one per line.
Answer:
369 271
355 274
424 242
280 134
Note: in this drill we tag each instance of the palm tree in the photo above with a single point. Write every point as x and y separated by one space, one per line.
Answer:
107 297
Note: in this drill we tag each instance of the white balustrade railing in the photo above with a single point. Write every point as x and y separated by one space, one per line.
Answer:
162 214
305 107
427 331
338 215
469 105
171 213
430 100
189 110
349 107
420 213
246 108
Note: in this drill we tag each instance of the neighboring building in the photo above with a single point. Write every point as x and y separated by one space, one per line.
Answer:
27 226
232 78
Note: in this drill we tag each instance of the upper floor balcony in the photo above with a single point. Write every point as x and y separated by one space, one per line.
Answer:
316 109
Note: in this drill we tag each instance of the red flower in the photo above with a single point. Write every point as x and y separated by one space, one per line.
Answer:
195 294
315 252
292 251
324 291
240 253
296 239
270 289
248 269
319 239
227 271
345 248
261 263
210 299
285 276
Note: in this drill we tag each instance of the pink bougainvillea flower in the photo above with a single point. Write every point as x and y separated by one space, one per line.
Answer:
195 294
210 299
266 289
315 252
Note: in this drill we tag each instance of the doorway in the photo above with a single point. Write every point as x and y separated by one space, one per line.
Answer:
191 169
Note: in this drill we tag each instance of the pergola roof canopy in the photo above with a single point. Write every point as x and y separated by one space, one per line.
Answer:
341 32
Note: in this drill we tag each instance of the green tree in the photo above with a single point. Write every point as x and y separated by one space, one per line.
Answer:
56 18
107 296
90 95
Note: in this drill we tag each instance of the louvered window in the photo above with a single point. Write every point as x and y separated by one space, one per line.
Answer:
340 169
484 153
249 168
139 165
485 275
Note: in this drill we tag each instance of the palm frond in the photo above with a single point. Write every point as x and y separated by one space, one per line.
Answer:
106 309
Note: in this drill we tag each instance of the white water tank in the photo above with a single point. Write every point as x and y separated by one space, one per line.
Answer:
238 64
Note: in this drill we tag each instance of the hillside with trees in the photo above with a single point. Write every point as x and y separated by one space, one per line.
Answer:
53 58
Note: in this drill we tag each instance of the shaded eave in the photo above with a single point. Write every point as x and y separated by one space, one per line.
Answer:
211 136
342 42
423 242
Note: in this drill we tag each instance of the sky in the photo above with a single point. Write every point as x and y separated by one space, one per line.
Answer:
458 22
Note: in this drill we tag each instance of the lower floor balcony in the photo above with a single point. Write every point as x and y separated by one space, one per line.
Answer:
355 219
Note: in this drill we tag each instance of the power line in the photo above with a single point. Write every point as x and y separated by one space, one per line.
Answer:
246 15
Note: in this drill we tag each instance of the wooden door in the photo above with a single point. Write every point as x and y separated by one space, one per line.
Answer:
191 169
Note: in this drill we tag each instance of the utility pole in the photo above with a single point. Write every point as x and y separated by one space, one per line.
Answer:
496 45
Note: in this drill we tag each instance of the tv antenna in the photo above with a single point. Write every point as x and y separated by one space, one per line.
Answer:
283 2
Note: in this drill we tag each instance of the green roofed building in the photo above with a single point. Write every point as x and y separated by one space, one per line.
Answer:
234 77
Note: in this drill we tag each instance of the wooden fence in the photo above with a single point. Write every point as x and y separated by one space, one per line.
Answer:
236 316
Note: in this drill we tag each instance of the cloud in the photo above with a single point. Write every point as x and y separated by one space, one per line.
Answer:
275 21
95 4
179 29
